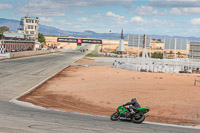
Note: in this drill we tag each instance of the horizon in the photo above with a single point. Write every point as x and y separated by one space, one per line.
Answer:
151 17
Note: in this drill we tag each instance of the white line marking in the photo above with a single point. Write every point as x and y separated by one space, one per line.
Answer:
171 125
26 92
30 105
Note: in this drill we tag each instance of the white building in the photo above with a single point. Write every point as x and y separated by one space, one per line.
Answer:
29 26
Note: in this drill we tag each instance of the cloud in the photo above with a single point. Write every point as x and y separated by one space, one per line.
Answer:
64 22
137 19
146 10
98 16
160 23
45 8
174 3
185 11
195 21
194 10
62 7
46 19
5 6
114 16
95 3
84 19
176 11
77 11
118 20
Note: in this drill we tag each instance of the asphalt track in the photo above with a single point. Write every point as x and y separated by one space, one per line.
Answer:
19 75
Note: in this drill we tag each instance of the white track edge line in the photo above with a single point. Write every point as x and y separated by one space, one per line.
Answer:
35 86
40 83
30 105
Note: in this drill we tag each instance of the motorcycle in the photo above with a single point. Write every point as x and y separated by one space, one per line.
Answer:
123 113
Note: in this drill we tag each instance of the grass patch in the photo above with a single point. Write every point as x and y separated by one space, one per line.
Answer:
94 52
78 47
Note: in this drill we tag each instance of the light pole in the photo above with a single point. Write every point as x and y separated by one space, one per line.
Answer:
110 31
59 31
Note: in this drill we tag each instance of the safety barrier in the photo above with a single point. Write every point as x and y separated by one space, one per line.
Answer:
147 68
153 65
5 55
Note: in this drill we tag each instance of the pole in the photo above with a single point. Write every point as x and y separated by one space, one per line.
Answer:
138 46
127 47
28 8
59 31
144 41
144 52
164 50
110 36
175 49
192 52
150 52
101 46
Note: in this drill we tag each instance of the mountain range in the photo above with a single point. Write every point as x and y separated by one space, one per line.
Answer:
48 30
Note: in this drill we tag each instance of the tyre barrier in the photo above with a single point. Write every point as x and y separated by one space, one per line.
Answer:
147 68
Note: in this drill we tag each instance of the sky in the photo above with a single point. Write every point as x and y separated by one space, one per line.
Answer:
157 17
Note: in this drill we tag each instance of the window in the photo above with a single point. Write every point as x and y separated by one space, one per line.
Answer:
28 21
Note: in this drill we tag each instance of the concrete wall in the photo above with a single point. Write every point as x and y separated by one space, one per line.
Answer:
32 53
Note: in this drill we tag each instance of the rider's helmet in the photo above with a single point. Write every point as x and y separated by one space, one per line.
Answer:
133 100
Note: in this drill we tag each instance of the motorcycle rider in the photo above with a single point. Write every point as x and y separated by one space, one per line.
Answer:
134 107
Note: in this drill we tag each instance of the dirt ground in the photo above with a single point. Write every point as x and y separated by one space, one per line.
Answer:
85 60
171 98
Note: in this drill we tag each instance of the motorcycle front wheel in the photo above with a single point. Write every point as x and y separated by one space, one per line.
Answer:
114 116
138 120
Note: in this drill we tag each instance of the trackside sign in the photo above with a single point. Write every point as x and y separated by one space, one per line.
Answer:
73 40
91 41
68 40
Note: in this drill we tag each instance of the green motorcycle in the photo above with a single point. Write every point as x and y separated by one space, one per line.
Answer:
123 113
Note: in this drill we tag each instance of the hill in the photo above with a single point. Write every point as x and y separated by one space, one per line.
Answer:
48 30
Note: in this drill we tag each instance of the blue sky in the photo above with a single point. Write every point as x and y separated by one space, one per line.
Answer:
159 17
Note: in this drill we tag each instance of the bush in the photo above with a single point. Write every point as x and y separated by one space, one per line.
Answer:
157 55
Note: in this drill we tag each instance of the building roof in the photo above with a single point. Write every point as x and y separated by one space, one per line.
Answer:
30 17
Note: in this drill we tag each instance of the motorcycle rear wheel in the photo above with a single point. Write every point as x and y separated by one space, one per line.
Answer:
114 116
138 120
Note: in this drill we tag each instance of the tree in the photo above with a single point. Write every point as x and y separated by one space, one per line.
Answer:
3 29
159 40
170 53
41 38
179 53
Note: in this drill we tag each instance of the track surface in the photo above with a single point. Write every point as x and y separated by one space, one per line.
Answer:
19 75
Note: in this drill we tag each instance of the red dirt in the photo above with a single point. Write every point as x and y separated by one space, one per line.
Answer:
172 98
85 60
